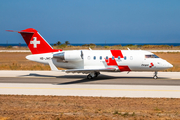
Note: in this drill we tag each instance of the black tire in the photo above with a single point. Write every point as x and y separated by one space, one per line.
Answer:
155 77
97 73
89 77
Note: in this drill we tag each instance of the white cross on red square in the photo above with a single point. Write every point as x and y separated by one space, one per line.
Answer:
35 42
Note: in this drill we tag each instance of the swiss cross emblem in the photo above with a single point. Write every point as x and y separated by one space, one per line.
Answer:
35 42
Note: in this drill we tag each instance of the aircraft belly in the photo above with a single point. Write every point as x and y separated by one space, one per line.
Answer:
94 65
70 65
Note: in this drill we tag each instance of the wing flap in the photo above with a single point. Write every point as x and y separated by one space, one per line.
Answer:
90 70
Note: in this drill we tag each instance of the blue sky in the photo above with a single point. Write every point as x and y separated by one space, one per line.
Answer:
92 21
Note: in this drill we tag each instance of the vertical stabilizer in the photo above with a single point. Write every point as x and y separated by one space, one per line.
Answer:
36 43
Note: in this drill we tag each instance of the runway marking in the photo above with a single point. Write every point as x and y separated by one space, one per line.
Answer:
90 89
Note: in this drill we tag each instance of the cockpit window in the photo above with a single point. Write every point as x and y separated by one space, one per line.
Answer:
151 56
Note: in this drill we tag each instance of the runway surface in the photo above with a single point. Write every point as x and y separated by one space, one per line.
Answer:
135 84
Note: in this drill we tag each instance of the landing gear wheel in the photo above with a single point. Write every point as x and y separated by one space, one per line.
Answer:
96 74
155 75
89 77
93 75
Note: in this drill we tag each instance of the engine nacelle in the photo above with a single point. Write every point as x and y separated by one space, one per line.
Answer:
74 55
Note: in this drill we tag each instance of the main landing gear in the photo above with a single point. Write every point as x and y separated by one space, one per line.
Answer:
155 75
93 75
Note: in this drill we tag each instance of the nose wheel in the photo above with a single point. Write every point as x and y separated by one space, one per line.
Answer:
93 75
155 75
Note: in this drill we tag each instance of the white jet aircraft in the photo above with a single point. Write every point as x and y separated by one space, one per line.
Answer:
91 62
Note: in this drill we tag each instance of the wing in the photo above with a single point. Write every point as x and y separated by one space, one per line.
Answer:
54 68
90 70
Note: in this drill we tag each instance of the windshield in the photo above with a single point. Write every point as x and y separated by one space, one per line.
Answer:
151 56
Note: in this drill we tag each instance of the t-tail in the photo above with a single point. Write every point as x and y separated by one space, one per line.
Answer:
36 43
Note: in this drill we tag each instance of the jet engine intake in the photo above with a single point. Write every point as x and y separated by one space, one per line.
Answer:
75 55
59 56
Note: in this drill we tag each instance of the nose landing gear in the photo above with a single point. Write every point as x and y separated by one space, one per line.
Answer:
155 75
93 75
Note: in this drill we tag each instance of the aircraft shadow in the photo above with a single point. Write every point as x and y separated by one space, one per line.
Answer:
76 79
36 75
102 78
65 76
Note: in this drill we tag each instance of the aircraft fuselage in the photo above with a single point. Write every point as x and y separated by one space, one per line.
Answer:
122 60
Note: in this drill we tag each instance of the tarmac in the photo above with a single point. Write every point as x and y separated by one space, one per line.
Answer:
107 84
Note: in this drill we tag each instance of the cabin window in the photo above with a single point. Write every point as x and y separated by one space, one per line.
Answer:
112 57
125 57
88 57
100 57
151 56
119 57
106 57
131 58
94 57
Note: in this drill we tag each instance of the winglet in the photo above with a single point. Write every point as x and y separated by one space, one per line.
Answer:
52 66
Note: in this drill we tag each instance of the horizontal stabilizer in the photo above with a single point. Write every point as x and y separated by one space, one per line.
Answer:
19 31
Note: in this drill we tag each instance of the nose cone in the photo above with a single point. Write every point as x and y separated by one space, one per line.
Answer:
163 65
167 65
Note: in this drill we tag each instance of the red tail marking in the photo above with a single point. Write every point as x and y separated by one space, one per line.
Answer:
36 43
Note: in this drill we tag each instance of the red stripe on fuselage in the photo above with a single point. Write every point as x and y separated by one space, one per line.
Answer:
124 68
112 62
117 53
